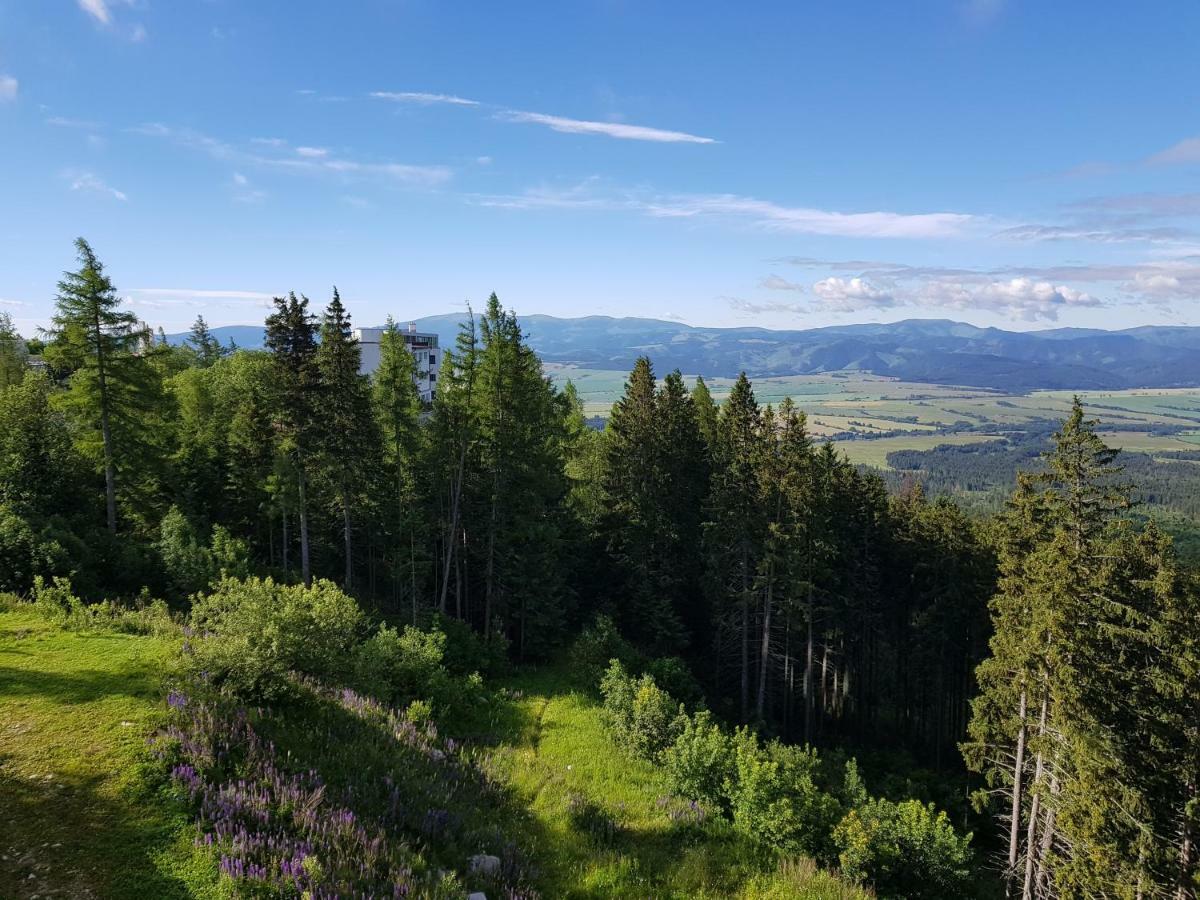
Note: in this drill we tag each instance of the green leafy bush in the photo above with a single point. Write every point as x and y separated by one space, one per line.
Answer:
191 564
775 797
644 717
249 634
673 675
397 666
598 644
905 850
57 602
701 761
24 553
467 651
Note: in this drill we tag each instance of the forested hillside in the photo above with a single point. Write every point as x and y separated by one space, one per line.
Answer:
921 350
835 687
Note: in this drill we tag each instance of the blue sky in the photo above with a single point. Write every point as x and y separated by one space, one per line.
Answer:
1004 162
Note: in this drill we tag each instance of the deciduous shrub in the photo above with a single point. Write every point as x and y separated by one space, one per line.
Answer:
907 850
249 634
644 716
700 762
401 666
467 651
597 645
775 797
191 564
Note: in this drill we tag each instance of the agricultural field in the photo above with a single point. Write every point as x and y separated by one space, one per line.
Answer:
897 415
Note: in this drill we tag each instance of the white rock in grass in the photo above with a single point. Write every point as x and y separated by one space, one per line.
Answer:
477 895
485 864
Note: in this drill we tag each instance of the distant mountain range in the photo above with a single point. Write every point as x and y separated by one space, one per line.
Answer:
925 350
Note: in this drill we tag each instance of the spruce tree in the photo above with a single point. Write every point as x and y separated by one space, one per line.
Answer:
14 355
291 338
397 410
206 347
347 441
706 412
113 392
734 530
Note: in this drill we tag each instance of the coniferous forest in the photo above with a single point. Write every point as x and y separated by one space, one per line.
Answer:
927 702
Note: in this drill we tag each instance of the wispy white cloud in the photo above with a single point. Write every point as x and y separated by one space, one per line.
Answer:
245 192
89 182
759 213
312 161
611 129
1185 152
97 9
756 307
422 99
66 122
779 283
312 152
9 86
193 294
102 12
1102 235
806 220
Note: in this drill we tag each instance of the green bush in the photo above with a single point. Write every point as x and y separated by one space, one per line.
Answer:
905 850
701 761
250 634
467 651
24 553
57 602
643 716
191 564
597 645
399 666
673 675
775 797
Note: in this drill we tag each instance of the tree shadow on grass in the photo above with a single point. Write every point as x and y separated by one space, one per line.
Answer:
63 837
76 687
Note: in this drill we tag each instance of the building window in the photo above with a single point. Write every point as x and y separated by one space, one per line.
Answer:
432 358
432 376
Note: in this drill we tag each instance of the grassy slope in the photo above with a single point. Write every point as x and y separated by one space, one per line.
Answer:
76 819
77 815
563 753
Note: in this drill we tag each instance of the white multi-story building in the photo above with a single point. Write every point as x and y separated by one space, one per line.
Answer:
423 347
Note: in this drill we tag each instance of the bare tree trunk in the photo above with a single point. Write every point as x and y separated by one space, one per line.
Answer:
412 571
1047 832
1034 807
110 476
305 562
765 650
1014 827
489 574
452 532
347 539
745 685
808 672
1184 880
284 516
